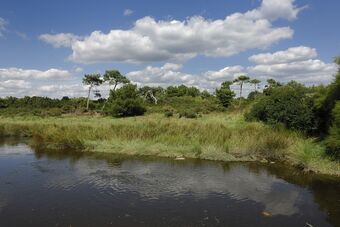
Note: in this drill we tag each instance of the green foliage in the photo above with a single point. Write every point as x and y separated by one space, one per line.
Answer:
113 77
126 108
241 80
205 94
168 113
253 95
333 140
288 105
325 102
188 114
182 90
271 85
126 102
92 79
225 95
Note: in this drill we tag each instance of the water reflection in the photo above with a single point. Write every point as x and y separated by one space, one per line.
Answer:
252 187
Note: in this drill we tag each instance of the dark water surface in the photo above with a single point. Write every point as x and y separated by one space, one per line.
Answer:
39 188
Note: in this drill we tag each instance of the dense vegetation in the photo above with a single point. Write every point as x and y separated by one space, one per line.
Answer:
295 116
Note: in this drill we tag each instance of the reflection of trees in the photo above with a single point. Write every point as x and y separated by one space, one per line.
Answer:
155 177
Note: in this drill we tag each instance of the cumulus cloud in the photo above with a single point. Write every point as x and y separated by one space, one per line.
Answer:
3 24
171 74
292 54
150 40
276 9
168 74
32 73
128 12
227 73
14 84
60 40
297 63
71 90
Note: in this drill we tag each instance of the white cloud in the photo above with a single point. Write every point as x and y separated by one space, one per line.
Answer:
276 9
71 90
170 74
227 73
150 40
14 84
79 70
166 75
128 12
292 54
60 40
3 24
33 73
297 63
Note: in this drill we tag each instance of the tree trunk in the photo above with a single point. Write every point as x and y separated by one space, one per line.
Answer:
241 85
88 98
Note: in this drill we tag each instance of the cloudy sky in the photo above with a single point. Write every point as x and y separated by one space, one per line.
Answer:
47 46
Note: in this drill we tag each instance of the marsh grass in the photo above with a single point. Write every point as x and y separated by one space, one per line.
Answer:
225 137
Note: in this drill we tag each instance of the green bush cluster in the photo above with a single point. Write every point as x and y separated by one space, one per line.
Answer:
333 140
188 114
288 105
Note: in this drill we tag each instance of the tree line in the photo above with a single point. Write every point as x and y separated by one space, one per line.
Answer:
314 111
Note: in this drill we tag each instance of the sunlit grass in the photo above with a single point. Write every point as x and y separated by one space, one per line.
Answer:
222 136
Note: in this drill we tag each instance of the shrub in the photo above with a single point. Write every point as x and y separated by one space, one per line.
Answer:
289 105
188 114
168 114
225 95
333 140
127 107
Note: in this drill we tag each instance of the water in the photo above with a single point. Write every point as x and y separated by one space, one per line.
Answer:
40 188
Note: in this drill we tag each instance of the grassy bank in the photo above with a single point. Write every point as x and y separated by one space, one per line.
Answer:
225 137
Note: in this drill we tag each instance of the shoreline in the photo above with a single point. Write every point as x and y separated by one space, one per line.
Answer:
215 137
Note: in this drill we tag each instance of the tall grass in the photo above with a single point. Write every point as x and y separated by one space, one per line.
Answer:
224 137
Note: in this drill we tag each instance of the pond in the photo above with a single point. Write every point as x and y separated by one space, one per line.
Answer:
49 188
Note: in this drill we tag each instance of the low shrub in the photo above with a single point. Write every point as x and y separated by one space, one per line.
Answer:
333 140
168 114
126 108
188 114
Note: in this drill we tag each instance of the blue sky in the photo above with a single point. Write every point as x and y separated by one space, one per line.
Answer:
47 46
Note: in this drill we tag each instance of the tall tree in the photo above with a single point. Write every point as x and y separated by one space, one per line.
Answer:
224 94
241 80
255 82
114 77
93 80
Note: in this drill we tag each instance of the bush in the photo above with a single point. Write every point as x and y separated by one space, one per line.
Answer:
188 114
225 95
333 140
54 112
168 114
289 105
127 107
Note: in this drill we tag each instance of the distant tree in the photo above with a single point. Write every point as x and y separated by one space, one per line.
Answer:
114 77
271 84
151 93
241 80
126 102
337 60
182 90
333 140
205 94
93 80
289 105
255 82
224 94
